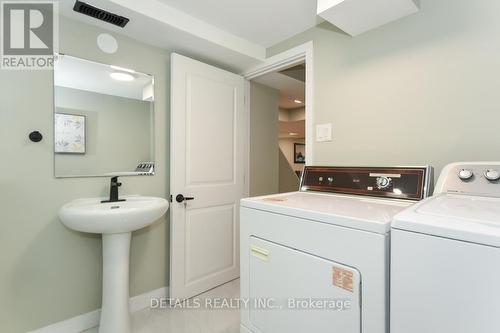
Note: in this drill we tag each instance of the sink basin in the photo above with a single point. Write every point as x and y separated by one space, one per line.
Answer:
92 216
115 221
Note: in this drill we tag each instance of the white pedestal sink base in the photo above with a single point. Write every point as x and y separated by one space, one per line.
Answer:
115 221
115 313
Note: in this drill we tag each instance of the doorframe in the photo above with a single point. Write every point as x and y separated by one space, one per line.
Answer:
289 58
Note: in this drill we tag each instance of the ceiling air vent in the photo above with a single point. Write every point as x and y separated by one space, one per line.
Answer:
100 14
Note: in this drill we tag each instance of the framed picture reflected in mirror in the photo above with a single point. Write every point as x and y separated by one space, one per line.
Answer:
69 133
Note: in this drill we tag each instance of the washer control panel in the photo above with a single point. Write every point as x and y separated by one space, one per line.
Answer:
479 178
410 183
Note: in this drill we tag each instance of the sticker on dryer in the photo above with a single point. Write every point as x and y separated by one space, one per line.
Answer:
342 278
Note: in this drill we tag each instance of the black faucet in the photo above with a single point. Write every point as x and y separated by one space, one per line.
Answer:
113 191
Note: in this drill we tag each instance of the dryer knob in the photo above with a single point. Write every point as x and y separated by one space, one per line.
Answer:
383 182
465 174
492 175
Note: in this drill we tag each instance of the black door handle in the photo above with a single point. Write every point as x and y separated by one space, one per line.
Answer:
180 198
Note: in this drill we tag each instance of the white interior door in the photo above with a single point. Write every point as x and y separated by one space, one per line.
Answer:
207 164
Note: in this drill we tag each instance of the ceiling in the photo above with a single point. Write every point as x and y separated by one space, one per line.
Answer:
154 23
290 89
71 72
297 128
263 22
230 34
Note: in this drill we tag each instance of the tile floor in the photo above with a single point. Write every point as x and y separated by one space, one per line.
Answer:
176 320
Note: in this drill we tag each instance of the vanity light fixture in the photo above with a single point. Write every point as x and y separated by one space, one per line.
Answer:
293 134
122 76
298 101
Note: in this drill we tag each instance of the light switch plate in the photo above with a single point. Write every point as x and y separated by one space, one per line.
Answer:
324 132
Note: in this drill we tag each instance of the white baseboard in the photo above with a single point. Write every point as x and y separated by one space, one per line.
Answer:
73 325
91 319
143 301
243 329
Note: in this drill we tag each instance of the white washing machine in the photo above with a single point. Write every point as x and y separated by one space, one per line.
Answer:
445 251
317 260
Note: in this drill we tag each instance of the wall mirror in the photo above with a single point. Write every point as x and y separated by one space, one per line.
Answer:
103 119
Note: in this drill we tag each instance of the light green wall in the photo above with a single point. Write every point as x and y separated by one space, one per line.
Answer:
422 90
287 146
47 272
264 165
288 180
118 132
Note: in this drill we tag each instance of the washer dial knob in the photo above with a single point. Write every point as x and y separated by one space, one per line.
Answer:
465 174
492 175
383 182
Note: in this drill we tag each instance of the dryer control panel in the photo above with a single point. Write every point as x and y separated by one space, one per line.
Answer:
478 178
410 183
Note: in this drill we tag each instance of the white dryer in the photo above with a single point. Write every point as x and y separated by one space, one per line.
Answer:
445 253
317 260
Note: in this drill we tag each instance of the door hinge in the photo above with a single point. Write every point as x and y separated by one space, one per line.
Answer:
171 198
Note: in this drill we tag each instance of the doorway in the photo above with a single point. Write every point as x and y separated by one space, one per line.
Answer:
300 57
277 130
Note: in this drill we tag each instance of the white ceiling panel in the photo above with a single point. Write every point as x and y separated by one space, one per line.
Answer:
264 22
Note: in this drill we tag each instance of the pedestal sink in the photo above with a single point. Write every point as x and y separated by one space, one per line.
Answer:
115 221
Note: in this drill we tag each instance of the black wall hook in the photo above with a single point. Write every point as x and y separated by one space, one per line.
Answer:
36 136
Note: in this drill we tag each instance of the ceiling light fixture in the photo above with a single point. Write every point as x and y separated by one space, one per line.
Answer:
298 101
121 76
